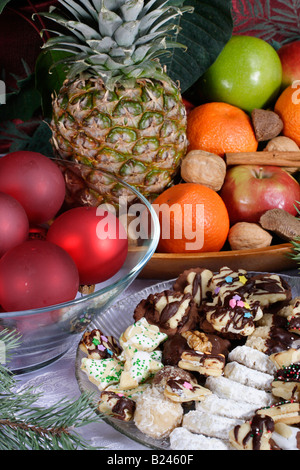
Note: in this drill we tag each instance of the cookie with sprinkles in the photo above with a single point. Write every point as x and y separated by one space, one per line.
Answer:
255 434
102 372
286 384
142 336
138 367
99 346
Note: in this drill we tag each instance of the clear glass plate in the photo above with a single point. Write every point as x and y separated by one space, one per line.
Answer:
113 322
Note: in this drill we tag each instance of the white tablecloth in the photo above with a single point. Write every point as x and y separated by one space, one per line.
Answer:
58 381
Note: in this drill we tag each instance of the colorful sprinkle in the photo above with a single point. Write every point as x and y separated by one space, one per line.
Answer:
241 304
237 297
228 279
232 303
101 347
243 279
217 290
188 386
247 315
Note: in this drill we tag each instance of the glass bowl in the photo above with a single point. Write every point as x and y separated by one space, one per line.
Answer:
45 334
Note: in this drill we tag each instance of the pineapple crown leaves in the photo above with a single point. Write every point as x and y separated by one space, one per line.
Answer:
115 39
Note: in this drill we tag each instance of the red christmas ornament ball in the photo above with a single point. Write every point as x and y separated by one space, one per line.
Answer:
14 224
94 238
35 181
36 274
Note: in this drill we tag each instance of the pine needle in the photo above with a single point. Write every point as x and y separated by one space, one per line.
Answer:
25 426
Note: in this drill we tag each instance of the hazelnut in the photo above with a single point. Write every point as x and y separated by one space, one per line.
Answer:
245 235
204 168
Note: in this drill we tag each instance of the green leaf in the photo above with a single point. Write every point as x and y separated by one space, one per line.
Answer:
3 3
23 102
40 141
204 32
49 76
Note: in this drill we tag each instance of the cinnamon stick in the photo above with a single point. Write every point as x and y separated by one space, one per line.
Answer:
284 159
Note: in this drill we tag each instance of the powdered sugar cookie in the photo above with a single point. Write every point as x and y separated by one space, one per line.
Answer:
182 439
155 415
226 388
250 377
252 358
226 407
210 425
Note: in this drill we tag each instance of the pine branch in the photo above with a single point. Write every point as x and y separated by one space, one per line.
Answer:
25 426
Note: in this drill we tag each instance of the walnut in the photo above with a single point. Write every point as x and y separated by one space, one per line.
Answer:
245 235
204 168
197 341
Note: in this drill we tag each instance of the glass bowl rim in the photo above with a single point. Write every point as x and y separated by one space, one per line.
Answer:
151 249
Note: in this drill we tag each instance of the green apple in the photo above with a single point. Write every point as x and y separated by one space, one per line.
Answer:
246 74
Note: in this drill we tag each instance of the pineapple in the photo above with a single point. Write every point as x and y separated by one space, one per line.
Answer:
117 110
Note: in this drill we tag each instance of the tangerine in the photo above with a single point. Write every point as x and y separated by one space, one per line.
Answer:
193 218
219 128
288 109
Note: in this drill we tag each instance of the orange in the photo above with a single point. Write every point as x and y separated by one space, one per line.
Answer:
288 108
193 219
219 128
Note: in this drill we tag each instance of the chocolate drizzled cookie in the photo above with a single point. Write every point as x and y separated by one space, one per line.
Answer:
99 346
173 312
195 282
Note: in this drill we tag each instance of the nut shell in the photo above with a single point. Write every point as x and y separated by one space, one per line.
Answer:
204 168
245 235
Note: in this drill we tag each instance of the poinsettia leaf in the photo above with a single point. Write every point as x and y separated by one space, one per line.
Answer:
49 76
204 32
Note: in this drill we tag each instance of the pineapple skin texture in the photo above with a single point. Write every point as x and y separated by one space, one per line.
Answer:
136 132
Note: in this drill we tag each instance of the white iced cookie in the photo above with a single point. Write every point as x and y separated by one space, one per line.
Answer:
250 377
102 372
138 367
182 439
143 336
155 415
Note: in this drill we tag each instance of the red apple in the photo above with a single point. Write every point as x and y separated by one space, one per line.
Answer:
188 105
290 60
249 191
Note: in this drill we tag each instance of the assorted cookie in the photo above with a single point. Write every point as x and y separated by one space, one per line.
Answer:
212 363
